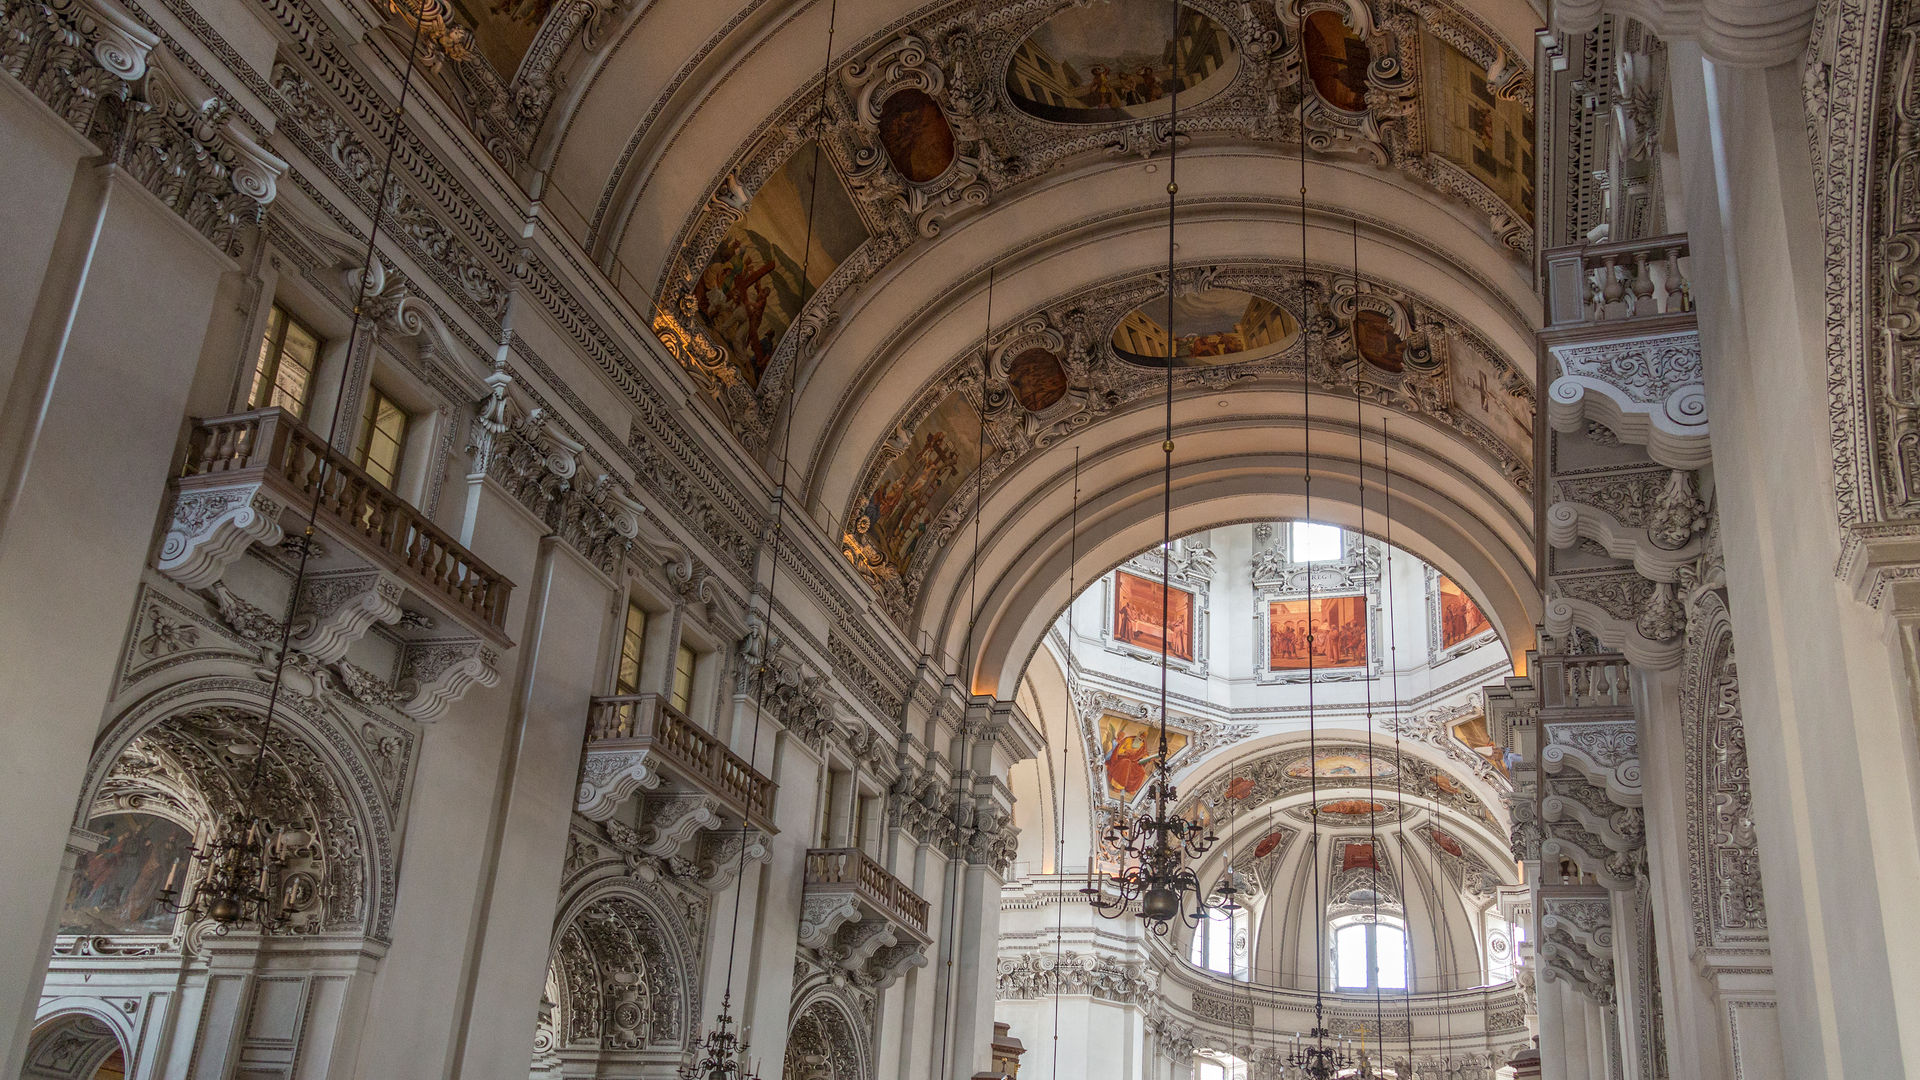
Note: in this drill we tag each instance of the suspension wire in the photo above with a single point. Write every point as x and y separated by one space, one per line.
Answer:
1393 665
966 660
1373 805
1060 816
339 407
779 516
1313 734
1166 511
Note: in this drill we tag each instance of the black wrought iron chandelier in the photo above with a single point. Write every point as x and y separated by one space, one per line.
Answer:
238 876
721 1054
1157 848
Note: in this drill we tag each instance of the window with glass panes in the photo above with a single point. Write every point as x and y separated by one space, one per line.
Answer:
1370 956
683 660
383 434
283 372
633 639
1220 943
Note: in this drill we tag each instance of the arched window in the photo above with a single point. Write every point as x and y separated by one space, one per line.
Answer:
1369 954
1220 943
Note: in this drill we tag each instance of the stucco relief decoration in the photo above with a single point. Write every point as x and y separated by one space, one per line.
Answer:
616 975
916 487
930 121
1343 770
197 768
1729 903
825 1042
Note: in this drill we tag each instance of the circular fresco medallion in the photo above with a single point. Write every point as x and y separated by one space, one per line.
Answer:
916 136
1037 379
1213 327
1111 62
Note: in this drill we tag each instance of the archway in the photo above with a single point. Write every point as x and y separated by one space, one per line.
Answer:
76 1045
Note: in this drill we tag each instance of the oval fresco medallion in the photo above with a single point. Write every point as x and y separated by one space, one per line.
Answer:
1037 379
1268 842
1111 61
916 136
1337 764
1373 335
1214 327
1337 61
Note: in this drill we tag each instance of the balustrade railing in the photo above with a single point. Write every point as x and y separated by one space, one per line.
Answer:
1615 282
685 747
852 867
1600 680
269 444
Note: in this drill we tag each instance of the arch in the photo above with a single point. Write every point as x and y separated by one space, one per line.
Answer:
827 1039
72 1038
319 776
621 976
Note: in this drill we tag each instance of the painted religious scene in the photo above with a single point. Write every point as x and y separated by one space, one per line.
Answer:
1212 327
115 890
1131 749
1337 61
1037 378
1377 342
1110 60
769 262
1338 625
913 488
1137 604
1460 618
1469 125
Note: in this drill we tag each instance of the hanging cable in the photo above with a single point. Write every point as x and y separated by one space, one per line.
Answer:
1393 665
245 886
1060 816
720 1042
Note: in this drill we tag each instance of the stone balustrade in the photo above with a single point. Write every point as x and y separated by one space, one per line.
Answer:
243 473
637 741
831 869
1617 282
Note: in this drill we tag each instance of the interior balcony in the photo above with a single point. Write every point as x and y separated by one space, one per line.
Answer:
666 789
861 918
372 559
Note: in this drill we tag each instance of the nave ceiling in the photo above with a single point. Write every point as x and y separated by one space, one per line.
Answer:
822 261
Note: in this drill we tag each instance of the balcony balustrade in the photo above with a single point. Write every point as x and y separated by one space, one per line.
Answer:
856 915
850 870
637 741
1616 282
269 459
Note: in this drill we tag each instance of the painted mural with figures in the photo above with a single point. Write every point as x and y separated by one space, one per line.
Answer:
770 261
916 486
1099 63
116 889
1137 613
1338 626
1131 749
1460 618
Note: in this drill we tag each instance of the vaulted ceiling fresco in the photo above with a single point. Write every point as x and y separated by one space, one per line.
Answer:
918 133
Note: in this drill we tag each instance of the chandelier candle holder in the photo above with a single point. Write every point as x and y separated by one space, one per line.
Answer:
720 1054
239 876
1324 1056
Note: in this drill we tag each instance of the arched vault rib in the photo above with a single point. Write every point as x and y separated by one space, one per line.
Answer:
1070 238
1245 464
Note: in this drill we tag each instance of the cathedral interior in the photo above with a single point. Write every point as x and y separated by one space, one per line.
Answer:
959 539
